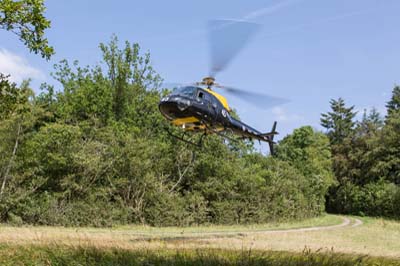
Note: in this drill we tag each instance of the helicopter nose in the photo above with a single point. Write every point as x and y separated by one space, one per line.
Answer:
167 109
173 106
181 103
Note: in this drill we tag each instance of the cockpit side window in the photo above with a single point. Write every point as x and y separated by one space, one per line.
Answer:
200 95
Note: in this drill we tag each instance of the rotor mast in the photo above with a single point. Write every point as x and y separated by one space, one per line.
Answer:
209 82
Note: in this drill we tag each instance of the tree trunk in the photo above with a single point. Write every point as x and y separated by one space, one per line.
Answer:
181 173
10 162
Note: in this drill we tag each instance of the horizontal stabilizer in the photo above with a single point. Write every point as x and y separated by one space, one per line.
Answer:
272 133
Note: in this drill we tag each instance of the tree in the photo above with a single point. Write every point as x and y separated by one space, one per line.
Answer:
366 164
86 96
25 18
124 88
8 96
130 74
340 126
370 123
359 150
388 152
394 104
309 152
17 116
339 123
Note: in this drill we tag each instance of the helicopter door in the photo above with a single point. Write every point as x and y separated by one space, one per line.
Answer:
213 107
207 100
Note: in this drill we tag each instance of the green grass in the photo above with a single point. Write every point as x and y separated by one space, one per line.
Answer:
63 255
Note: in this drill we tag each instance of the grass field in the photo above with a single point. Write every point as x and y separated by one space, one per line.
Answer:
63 256
374 242
137 236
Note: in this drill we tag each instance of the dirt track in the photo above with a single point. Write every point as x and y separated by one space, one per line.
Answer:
217 234
103 236
35 233
376 237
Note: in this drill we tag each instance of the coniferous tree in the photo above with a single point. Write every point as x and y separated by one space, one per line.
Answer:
340 125
362 155
389 155
339 122
366 163
394 104
370 123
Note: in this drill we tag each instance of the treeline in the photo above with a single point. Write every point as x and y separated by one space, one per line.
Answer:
366 159
95 151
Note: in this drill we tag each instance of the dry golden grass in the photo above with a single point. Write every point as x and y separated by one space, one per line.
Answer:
374 237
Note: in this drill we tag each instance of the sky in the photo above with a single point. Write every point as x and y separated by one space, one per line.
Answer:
307 51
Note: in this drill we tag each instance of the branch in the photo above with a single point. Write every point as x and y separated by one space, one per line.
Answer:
181 173
10 162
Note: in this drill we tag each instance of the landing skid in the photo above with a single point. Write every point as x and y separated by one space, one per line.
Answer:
219 133
186 140
199 143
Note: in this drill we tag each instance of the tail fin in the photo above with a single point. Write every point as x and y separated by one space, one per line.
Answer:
270 138
273 131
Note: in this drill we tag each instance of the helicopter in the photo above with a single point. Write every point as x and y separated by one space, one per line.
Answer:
197 107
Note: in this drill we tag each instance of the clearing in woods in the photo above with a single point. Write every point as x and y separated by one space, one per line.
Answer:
369 236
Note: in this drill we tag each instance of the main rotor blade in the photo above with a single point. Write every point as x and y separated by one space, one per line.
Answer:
227 38
260 100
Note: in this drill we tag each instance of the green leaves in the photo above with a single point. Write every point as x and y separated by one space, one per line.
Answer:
309 152
9 97
26 19
131 75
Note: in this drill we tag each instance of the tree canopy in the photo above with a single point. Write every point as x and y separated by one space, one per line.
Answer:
94 152
340 121
393 106
365 160
26 19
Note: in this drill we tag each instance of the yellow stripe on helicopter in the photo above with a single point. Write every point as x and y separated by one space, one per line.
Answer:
185 120
220 98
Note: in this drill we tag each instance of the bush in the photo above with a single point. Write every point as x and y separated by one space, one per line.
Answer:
373 199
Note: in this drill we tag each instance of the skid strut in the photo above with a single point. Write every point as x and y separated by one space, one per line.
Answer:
188 141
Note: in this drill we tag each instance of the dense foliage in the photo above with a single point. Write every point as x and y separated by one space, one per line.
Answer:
95 152
366 160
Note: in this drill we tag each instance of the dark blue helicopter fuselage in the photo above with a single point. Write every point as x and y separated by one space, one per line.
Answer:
196 109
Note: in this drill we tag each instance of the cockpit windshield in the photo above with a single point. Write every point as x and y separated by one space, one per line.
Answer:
188 91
